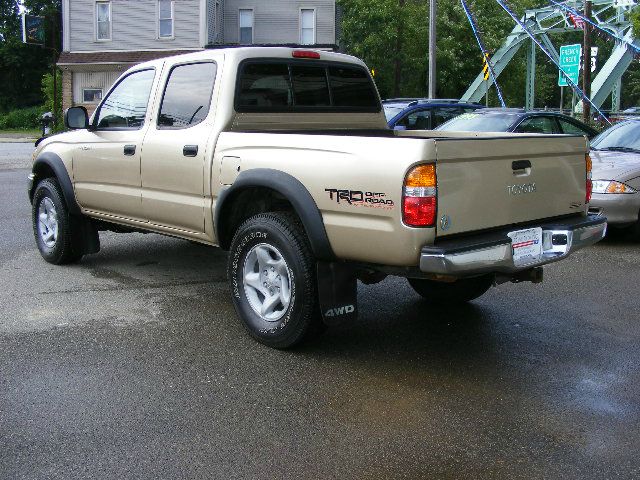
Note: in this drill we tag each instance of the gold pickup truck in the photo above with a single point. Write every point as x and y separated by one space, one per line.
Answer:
283 157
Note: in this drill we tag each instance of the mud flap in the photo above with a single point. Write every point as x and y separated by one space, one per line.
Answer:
85 235
337 292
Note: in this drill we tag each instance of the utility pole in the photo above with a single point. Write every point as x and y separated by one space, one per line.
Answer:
432 48
586 64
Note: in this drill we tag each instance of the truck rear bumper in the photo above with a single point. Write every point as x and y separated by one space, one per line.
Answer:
492 252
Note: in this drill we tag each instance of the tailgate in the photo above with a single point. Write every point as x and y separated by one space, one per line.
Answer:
486 183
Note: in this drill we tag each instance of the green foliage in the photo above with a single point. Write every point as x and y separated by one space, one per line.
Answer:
22 119
22 66
635 20
47 92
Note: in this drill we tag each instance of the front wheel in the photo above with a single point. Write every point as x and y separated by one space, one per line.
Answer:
52 225
460 291
273 280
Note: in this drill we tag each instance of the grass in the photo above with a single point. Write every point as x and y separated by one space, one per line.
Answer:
27 132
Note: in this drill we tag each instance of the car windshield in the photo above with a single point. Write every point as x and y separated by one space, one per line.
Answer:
624 136
391 111
478 122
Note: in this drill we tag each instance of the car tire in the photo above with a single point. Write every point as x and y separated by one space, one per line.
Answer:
273 280
53 227
460 291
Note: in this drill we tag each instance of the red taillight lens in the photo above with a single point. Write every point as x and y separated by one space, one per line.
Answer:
419 202
305 54
419 211
589 167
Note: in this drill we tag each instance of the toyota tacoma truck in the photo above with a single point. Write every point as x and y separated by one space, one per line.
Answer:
283 157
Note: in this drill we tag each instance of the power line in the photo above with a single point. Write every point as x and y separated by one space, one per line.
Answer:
484 51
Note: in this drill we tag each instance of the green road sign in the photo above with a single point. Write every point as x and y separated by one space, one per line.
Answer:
570 56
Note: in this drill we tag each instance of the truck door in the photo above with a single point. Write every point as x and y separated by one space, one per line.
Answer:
173 156
106 162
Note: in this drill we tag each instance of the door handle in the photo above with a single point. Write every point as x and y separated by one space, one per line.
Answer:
129 150
190 150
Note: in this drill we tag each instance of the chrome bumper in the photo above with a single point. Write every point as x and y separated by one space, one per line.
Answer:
492 253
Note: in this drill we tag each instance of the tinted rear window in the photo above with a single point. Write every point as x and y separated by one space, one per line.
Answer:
265 85
298 86
310 86
351 87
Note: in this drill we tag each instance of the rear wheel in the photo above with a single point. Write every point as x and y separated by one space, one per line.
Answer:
52 225
460 291
273 280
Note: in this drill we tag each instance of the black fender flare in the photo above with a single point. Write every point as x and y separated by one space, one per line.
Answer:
51 161
290 188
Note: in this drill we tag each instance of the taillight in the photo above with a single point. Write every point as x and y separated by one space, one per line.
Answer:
419 203
589 166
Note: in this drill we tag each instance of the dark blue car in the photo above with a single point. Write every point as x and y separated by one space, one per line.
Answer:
423 114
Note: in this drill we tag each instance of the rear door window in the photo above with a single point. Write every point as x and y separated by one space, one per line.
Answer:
187 95
289 86
444 114
418 120
571 128
545 125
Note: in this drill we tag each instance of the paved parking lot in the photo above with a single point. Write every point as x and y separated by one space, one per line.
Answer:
132 364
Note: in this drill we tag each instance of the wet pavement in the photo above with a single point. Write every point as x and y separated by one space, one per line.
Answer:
132 364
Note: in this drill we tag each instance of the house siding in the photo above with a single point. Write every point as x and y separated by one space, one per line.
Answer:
134 26
278 21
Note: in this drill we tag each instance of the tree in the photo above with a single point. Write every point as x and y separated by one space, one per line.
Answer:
22 66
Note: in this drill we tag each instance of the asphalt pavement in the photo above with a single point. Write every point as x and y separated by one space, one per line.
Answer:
132 364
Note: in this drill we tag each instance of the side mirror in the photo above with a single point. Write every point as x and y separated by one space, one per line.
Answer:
76 118
399 127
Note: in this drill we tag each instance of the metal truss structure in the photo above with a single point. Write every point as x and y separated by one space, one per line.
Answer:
609 15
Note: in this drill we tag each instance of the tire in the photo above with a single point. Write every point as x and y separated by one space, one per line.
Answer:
273 280
460 291
53 227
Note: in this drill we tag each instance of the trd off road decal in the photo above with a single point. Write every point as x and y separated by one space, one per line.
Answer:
358 198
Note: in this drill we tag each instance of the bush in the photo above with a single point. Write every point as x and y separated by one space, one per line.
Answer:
22 119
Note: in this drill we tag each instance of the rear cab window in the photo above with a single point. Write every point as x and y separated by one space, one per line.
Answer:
300 86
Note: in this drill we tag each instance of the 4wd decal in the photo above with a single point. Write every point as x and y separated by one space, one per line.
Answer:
359 198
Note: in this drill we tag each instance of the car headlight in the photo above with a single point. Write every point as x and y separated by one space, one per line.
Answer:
611 186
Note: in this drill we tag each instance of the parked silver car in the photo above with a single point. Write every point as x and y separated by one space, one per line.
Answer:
616 175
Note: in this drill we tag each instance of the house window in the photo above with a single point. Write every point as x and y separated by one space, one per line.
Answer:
91 95
103 20
307 26
246 26
165 13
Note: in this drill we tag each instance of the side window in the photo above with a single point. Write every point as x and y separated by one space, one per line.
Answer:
265 85
420 120
441 115
126 105
571 129
187 96
310 86
537 125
